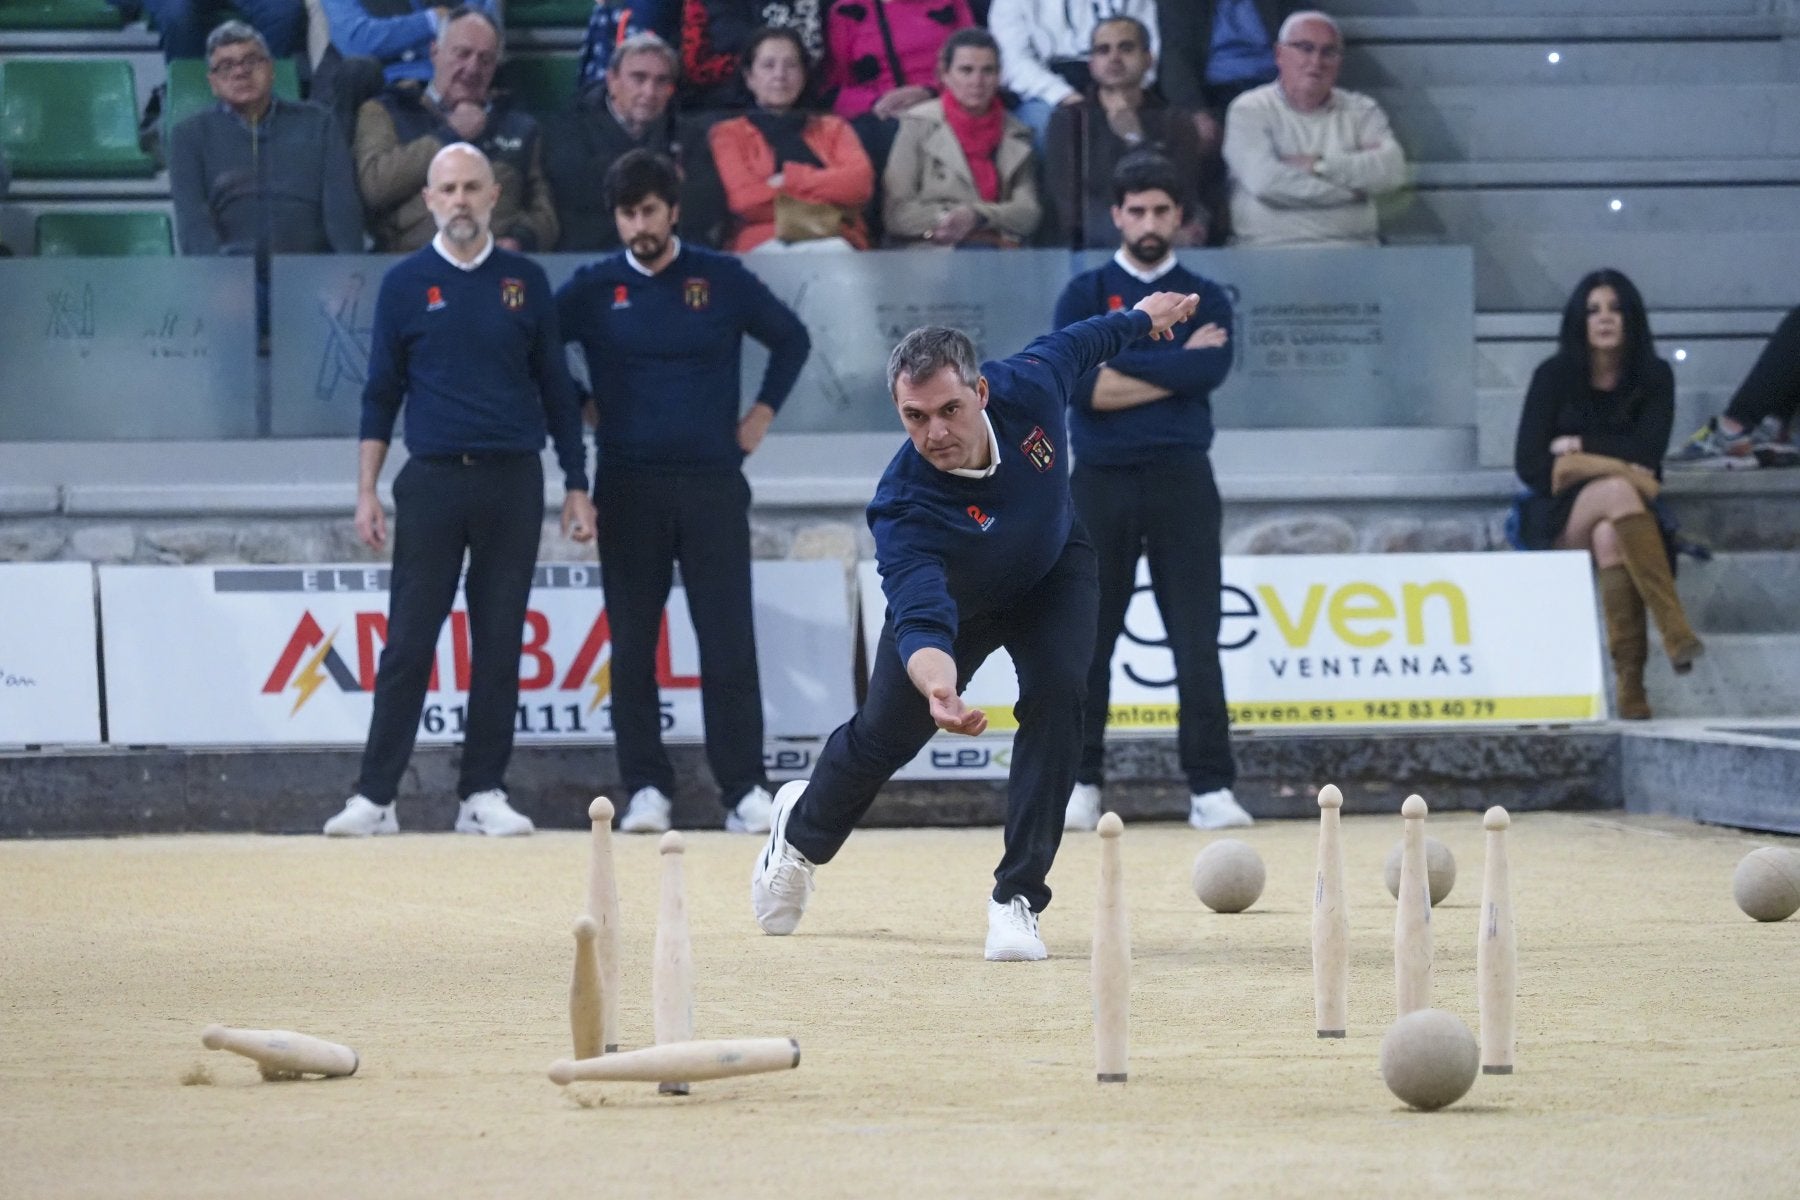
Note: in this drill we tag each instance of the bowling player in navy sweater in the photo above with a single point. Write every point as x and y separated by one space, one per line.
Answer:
662 326
979 548
465 335
1141 426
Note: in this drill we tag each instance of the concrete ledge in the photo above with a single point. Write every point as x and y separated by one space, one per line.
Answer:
1539 28
1604 172
1716 772
30 499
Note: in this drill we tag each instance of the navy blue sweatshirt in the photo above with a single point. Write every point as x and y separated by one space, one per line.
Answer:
476 357
665 355
1180 422
951 547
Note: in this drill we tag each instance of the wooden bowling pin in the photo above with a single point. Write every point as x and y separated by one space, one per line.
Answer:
1496 953
672 976
603 907
1111 963
1330 922
685 1061
1412 919
584 992
281 1054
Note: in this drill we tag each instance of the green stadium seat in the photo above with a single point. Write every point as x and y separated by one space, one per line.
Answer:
541 84
189 92
105 234
21 16
71 118
540 14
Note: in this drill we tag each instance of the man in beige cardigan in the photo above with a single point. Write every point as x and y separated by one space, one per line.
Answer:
1307 158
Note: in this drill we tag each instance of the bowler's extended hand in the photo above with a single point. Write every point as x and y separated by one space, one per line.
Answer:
953 716
1167 310
578 517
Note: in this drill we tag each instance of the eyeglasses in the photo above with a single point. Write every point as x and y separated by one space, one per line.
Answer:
1330 52
231 66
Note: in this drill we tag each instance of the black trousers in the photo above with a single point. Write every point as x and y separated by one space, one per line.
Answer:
1168 512
1049 633
649 521
493 508
1772 389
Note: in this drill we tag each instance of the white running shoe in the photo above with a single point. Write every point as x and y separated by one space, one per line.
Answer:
1217 810
489 813
751 814
362 817
1084 807
648 812
1013 932
782 882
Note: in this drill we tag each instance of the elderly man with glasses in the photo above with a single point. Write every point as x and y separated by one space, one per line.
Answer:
258 174
1307 158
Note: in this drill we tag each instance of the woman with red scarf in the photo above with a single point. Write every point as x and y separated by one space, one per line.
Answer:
961 172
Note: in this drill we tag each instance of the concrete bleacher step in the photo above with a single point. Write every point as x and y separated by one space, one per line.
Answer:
1745 773
1741 675
1370 65
1744 592
1531 27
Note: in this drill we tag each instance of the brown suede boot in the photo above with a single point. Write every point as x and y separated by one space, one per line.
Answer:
1628 638
1641 542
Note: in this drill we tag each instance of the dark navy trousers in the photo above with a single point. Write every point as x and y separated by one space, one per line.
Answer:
1050 634
492 507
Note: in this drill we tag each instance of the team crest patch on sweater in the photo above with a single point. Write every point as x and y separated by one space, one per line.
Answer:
1038 449
980 518
434 298
697 294
621 297
512 293
1115 303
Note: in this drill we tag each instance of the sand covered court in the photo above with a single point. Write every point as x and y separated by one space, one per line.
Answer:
1659 1049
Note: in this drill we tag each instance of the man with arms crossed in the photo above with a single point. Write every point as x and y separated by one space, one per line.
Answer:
979 549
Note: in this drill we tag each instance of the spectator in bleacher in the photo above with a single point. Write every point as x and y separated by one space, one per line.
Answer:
1118 117
715 33
632 110
882 60
962 172
1591 441
793 179
1216 50
259 174
1757 427
376 44
662 327
399 132
615 22
1307 158
5 182
1044 50
182 25
1140 427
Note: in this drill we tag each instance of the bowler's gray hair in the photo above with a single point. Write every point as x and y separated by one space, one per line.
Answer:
468 10
235 33
924 352
645 42
1310 14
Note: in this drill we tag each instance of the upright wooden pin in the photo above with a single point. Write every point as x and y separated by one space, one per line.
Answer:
1331 922
1111 965
1412 919
1496 953
603 907
584 992
672 976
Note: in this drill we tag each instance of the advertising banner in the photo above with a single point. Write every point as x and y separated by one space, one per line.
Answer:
1334 641
276 655
49 660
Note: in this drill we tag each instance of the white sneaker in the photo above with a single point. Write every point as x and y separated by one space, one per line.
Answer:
362 817
783 879
1217 810
751 814
1084 807
488 812
648 812
1013 933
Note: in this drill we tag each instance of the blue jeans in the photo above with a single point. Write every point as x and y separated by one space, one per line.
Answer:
184 24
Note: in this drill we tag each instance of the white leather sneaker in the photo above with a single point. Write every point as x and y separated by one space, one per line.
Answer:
648 812
1217 810
362 817
488 813
1084 807
782 881
751 814
1013 932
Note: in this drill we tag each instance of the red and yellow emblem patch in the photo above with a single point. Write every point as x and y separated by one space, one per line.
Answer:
512 293
1038 449
697 294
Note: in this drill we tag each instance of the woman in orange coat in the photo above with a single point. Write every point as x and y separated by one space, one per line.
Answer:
793 179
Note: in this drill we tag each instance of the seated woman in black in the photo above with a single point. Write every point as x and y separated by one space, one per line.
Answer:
1605 392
